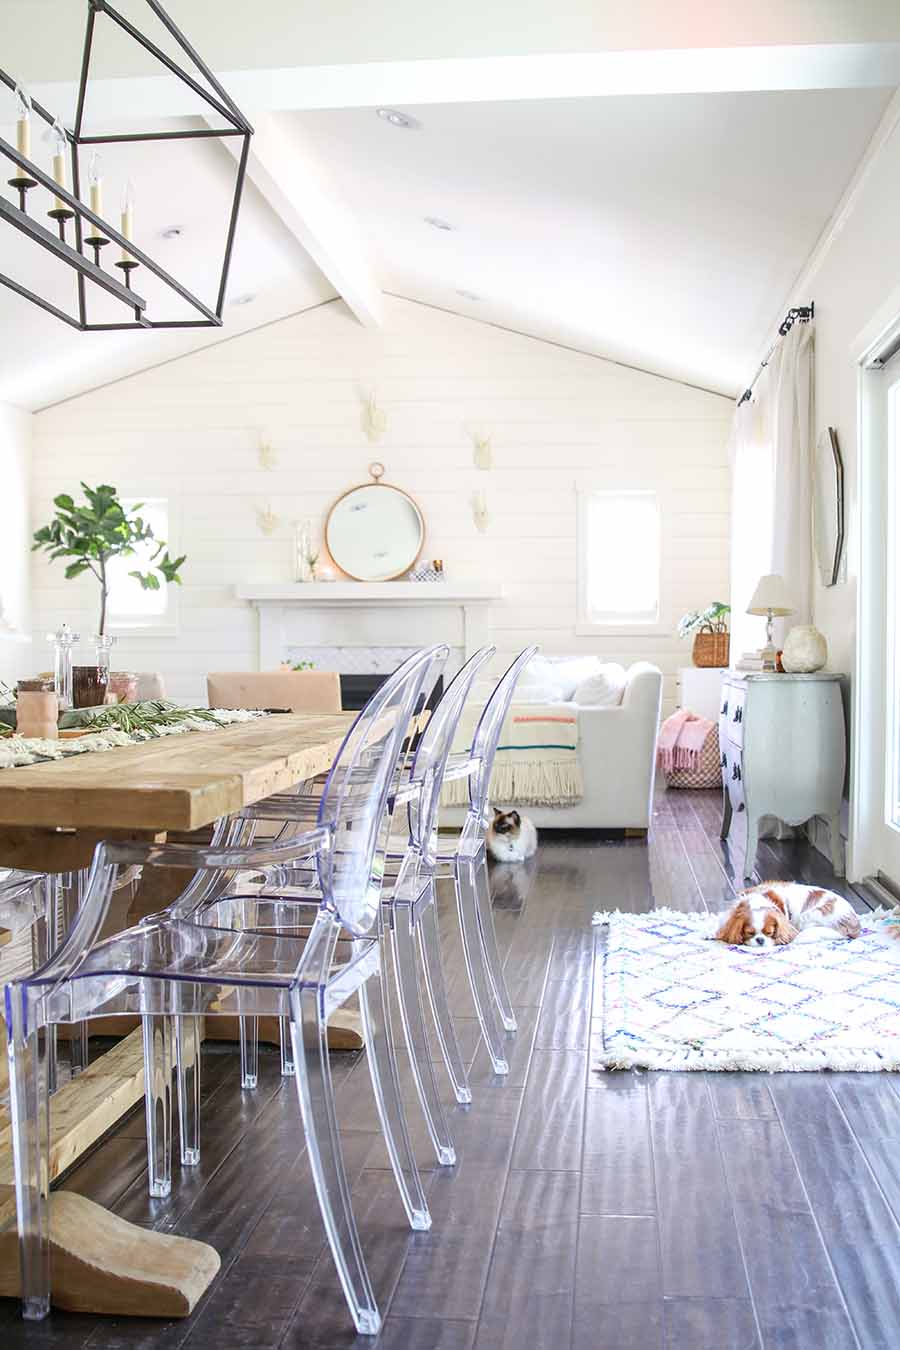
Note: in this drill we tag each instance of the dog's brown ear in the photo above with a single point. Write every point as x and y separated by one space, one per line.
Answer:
732 928
497 812
516 817
785 931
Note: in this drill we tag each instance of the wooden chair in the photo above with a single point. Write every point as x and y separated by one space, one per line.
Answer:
314 691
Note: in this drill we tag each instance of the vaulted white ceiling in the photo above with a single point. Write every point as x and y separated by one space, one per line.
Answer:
658 231
645 184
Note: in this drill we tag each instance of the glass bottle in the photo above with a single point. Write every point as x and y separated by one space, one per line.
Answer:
306 555
63 641
104 645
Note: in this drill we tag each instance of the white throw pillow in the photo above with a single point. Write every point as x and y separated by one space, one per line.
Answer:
603 689
555 680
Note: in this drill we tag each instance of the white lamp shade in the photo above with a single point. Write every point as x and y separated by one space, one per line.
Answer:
770 596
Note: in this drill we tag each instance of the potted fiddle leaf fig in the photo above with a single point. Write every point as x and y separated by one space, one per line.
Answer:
90 534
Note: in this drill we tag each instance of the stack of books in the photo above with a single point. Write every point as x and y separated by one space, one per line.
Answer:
750 661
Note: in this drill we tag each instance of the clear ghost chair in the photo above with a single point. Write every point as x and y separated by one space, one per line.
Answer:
28 900
408 902
411 909
169 968
291 810
465 857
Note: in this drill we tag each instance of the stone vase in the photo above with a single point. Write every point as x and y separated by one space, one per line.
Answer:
805 650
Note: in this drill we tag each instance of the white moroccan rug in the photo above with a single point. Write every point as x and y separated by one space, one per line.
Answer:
674 999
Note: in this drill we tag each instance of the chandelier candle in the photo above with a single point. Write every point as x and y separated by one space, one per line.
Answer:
95 179
59 162
23 122
127 225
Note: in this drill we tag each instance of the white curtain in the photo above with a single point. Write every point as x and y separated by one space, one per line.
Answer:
771 515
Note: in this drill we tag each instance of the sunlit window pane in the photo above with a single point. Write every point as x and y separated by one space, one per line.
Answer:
128 601
622 557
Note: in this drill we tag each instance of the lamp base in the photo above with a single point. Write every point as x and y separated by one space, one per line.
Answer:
767 656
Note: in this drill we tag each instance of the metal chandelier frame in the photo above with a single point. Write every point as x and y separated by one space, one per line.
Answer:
30 175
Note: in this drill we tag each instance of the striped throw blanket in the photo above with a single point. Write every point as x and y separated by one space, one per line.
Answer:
537 761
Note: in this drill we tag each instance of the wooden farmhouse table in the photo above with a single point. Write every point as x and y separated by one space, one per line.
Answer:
51 818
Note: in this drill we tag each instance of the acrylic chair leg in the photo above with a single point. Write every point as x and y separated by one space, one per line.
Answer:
187 1068
158 1099
31 1152
404 944
489 942
381 1058
473 951
73 893
249 1036
46 941
284 1043
436 987
316 1095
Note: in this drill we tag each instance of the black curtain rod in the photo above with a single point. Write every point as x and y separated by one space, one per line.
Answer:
801 314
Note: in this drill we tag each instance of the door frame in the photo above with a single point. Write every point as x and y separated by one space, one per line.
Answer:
867 555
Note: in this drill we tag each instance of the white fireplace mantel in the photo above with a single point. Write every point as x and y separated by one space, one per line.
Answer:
365 615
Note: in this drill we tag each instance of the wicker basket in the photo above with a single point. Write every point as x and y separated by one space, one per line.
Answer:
711 649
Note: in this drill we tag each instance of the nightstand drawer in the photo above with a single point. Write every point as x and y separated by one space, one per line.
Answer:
733 774
731 723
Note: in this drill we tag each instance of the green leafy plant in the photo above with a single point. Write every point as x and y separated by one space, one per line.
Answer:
713 619
303 665
147 717
93 532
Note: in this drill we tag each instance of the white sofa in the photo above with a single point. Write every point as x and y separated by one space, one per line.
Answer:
617 746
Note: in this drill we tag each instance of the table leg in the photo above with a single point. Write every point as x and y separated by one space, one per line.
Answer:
99 1263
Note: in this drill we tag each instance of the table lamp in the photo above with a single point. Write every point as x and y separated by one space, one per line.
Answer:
770 599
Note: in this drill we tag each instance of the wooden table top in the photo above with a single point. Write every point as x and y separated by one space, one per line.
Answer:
177 782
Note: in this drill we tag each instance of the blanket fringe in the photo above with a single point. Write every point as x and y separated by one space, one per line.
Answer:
766 1061
534 783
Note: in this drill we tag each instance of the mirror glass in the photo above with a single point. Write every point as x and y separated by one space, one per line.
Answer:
828 507
374 532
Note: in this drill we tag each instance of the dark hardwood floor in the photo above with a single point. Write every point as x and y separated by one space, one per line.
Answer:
625 1211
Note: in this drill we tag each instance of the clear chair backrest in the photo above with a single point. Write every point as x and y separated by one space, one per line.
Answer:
487 737
355 799
433 751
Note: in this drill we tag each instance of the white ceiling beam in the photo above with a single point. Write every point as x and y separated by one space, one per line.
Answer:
290 180
492 79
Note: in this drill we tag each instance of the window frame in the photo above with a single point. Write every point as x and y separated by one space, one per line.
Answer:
585 625
166 623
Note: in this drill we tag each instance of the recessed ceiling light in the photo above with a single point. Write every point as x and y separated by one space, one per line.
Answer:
398 119
470 295
246 299
437 223
173 232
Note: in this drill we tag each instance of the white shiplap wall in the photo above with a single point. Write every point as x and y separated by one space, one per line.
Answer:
15 597
189 431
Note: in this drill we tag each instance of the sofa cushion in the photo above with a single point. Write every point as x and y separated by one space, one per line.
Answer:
548 680
603 689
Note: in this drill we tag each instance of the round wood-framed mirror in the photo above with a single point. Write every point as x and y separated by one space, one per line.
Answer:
375 531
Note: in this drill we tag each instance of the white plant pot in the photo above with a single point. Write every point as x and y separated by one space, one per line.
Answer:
805 650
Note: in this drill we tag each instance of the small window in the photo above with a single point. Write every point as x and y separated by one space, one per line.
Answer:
130 606
618 559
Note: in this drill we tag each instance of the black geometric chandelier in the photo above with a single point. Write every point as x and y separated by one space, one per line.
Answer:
83 251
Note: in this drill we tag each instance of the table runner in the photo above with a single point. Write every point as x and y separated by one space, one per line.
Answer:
18 751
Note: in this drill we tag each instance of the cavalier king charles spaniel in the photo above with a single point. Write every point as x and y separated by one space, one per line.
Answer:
775 913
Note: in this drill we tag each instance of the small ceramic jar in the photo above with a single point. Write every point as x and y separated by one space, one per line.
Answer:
805 650
122 686
37 709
